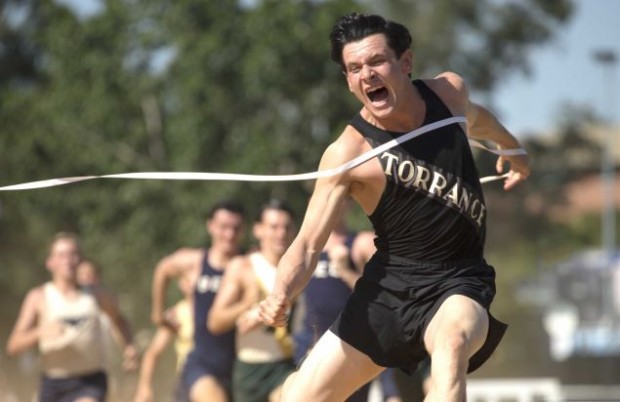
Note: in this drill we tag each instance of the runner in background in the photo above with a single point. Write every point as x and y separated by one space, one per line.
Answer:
89 278
62 319
183 338
207 373
264 356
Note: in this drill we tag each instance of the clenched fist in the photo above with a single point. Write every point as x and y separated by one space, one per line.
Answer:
274 310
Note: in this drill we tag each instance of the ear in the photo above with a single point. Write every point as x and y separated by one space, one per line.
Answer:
346 77
48 266
256 230
406 61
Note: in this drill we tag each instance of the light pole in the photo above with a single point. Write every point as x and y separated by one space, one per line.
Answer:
607 58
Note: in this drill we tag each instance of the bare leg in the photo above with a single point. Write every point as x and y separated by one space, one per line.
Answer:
456 332
208 389
276 394
332 371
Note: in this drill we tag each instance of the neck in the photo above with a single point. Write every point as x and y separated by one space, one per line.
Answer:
64 286
219 258
272 258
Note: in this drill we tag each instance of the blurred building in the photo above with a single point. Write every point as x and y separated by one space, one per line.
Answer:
580 298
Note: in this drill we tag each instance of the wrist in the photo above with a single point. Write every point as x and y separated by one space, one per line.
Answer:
282 292
130 349
156 318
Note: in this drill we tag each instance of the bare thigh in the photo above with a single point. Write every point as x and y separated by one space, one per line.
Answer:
332 371
86 399
458 316
276 394
207 389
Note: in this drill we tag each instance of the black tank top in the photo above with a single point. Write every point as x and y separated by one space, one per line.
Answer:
216 350
432 207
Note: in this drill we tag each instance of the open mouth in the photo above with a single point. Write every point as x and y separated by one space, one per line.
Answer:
377 94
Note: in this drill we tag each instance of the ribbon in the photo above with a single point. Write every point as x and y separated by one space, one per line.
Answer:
270 178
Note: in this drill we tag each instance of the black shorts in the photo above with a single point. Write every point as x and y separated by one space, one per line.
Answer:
396 298
94 385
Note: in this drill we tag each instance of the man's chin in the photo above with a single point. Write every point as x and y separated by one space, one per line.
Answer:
230 248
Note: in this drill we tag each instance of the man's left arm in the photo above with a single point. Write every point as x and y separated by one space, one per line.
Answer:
109 305
235 299
483 125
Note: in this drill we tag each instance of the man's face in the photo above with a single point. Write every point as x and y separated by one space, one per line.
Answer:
275 231
87 274
226 231
63 259
374 74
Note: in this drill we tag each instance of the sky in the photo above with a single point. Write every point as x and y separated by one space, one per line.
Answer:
565 70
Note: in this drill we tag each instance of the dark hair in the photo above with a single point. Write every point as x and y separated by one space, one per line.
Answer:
276 204
228 205
355 27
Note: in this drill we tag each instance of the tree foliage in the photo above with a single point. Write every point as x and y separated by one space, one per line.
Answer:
481 39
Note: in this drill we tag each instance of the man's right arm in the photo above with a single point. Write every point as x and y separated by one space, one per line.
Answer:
298 263
26 332
170 267
234 297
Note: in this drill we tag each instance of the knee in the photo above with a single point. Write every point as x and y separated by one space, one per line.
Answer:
452 349
455 343
287 387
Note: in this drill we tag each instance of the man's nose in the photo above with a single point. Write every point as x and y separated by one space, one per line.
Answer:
367 72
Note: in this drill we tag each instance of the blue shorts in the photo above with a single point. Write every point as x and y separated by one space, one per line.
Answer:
94 385
302 343
388 384
196 368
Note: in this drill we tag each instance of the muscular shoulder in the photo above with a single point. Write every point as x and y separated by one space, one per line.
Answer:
187 253
185 258
34 300
452 90
35 296
240 268
347 146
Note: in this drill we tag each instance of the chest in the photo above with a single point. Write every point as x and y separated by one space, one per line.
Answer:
73 311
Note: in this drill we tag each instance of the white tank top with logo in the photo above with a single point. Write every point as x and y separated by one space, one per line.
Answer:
78 349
